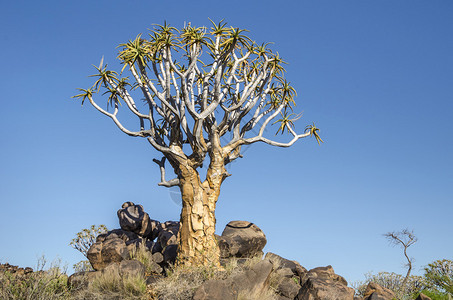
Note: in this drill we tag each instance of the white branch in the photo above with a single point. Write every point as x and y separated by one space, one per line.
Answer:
164 182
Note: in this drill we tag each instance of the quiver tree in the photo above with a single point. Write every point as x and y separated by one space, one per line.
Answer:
206 93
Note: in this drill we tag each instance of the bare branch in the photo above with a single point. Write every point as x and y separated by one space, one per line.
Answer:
172 182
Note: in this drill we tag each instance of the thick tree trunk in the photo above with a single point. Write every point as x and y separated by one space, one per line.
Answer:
197 242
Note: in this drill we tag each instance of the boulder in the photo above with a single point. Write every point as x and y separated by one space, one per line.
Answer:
422 297
132 268
153 278
215 290
170 253
134 245
376 292
254 280
241 239
280 263
158 257
286 276
157 248
133 218
81 280
168 234
288 287
326 273
248 284
15 270
101 254
323 283
126 236
153 262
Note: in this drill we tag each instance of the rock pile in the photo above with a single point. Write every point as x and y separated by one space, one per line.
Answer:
15 270
240 240
137 230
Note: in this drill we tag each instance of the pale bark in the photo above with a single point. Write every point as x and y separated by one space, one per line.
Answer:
197 241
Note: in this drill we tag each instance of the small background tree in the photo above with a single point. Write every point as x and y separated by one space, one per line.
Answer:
439 275
83 241
404 238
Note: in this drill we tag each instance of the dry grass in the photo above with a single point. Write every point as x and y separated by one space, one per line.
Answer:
110 285
48 284
181 282
143 255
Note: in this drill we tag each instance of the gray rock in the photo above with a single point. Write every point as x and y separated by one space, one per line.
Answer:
326 273
126 268
155 268
422 297
170 252
284 273
252 282
133 218
138 243
286 276
241 239
80 280
215 290
280 262
132 268
157 248
153 278
158 257
126 236
376 292
104 253
288 288
323 283
168 234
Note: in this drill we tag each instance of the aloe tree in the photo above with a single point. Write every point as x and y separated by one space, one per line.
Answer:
207 92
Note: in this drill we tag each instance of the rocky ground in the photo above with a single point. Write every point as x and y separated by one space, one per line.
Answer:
146 248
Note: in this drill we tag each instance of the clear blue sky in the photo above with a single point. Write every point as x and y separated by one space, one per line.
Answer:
375 76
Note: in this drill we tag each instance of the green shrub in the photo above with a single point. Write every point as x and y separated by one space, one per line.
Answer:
83 266
87 237
393 282
439 275
83 241
436 295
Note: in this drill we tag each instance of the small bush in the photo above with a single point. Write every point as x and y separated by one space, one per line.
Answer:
87 237
82 266
439 275
393 282
436 295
